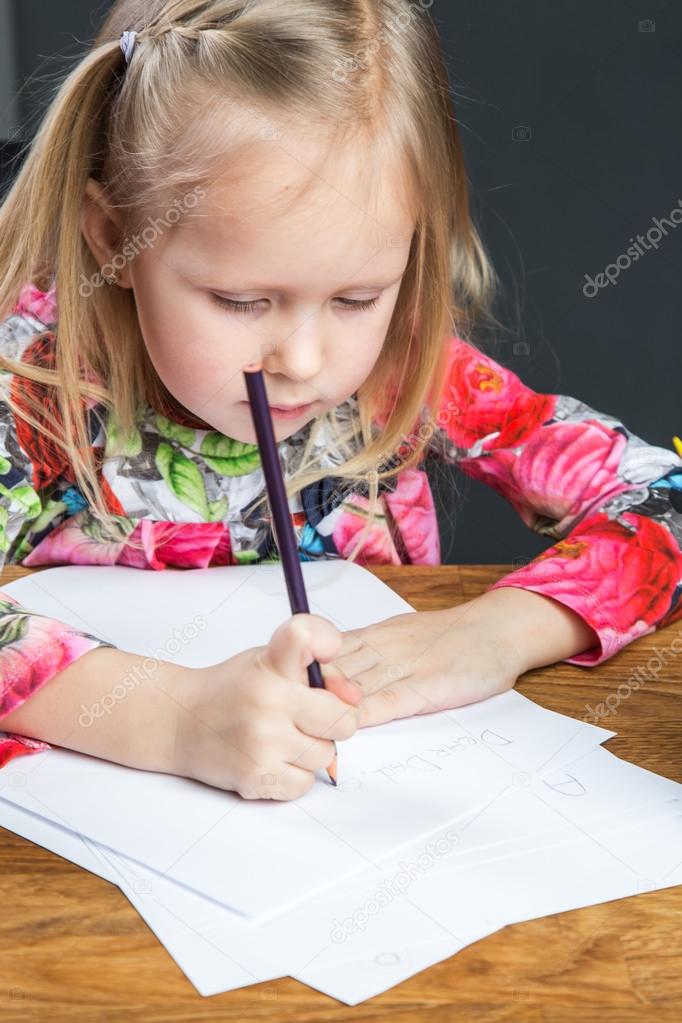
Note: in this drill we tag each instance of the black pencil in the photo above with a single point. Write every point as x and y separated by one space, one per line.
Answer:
282 525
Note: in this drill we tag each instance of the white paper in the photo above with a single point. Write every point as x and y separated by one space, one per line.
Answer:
213 947
397 782
232 607
61 841
320 929
400 781
235 868
598 792
526 886
75 848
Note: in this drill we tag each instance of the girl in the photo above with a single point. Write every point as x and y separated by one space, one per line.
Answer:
220 181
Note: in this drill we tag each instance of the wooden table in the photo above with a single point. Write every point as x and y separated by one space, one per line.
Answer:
73 949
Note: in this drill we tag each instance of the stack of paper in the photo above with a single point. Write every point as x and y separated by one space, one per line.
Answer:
444 828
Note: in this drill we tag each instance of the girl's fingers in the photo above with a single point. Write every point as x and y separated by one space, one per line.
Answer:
321 714
311 754
336 682
290 783
298 641
363 658
396 700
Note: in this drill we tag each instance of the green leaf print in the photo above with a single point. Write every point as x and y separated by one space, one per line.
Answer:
217 510
118 444
25 496
229 457
4 539
12 626
96 530
23 549
183 477
175 431
51 509
28 499
244 557
5 465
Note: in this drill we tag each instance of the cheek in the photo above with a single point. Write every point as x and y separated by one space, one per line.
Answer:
190 360
196 370
366 354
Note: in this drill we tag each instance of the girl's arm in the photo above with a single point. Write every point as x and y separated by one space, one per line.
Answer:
33 648
106 704
538 629
612 502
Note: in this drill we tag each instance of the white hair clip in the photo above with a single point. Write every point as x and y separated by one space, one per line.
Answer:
128 40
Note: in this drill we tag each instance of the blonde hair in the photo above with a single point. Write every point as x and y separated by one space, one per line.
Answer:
135 130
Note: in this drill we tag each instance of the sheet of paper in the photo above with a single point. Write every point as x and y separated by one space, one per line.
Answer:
65 843
396 782
178 916
341 926
529 885
598 791
384 917
219 951
318 933
400 781
517 750
338 926
201 616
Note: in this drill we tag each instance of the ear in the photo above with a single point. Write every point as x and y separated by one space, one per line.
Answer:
101 228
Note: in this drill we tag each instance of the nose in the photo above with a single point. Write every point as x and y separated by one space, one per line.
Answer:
298 354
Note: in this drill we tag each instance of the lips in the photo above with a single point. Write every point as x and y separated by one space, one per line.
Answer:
290 408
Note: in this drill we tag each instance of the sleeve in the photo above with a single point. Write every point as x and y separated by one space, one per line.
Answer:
612 501
33 648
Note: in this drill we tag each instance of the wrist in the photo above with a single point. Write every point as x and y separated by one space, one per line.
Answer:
145 713
536 630
176 690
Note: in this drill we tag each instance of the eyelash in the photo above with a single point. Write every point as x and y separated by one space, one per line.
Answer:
247 307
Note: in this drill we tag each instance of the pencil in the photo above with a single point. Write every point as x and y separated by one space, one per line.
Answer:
678 445
282 524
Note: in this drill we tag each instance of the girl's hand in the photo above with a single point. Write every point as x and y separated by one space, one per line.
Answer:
425 661
253 725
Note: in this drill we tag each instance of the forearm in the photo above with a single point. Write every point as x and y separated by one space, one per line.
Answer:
109 704
538 630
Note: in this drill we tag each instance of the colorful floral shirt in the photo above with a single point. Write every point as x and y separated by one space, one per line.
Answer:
611 502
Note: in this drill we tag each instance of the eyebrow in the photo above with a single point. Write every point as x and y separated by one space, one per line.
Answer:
247 286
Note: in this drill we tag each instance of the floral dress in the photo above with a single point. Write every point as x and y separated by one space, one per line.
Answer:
611 502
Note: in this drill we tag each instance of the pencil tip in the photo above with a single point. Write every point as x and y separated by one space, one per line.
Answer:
331 771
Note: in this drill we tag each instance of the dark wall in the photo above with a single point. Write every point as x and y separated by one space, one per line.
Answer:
570 120
49 37
571 126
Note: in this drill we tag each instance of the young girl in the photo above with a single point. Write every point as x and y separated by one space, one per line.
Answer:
219 181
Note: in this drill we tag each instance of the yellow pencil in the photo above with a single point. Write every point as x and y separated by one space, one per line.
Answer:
678 445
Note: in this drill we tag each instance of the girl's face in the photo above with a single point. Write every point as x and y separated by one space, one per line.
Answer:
306 288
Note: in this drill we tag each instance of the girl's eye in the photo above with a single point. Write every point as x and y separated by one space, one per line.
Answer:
247 307
237 307
365 303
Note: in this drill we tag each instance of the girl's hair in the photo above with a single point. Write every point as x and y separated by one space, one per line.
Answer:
205 77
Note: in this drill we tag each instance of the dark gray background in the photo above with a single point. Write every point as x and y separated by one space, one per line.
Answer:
570 120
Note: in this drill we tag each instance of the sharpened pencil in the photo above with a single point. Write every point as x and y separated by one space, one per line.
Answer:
282 524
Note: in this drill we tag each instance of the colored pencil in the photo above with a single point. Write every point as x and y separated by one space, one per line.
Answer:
282 524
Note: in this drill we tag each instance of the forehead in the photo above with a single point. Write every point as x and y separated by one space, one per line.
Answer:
293 199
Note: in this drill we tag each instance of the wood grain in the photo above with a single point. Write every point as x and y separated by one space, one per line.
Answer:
74 950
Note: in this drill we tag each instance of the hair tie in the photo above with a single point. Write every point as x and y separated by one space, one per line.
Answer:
127 44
